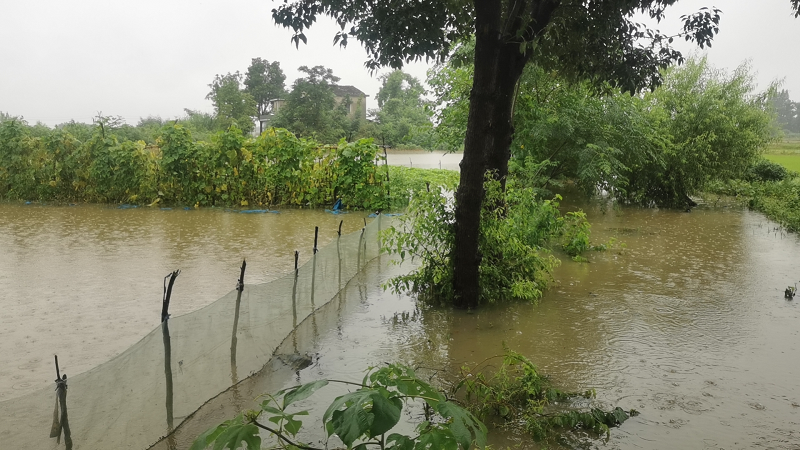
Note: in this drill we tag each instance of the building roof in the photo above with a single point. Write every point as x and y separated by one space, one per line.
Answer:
344 91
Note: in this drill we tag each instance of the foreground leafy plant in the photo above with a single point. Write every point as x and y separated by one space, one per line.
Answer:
359 418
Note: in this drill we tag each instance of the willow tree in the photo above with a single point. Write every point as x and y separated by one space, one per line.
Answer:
596 40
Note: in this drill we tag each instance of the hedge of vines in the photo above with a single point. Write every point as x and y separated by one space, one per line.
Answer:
230 169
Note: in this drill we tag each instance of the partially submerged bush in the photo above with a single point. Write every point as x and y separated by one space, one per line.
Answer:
516 394
404 182
778 200
521 397
517 228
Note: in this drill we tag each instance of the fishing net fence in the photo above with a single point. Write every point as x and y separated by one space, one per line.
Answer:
144 393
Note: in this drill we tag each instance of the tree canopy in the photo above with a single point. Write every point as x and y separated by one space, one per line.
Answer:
310 108
231 103
401 113
264 82
788 111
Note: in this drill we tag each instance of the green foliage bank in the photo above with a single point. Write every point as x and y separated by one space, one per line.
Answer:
228 169
702 125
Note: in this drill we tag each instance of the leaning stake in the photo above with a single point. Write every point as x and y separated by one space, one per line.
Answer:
60 419
240 284
316 235
168 293
234 339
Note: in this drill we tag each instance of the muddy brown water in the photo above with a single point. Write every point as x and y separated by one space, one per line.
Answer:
687 323
85 282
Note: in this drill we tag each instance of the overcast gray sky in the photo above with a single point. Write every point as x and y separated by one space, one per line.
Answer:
70 59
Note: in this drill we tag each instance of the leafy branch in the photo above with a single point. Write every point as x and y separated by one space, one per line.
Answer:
359 419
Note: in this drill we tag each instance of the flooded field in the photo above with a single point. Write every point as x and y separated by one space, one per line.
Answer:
85 282
687 323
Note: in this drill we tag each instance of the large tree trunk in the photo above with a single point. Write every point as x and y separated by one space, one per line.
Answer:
498 66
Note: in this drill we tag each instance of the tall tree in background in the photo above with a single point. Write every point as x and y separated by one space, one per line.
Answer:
231 103
401 108
787 111
310 108
595 40
264 81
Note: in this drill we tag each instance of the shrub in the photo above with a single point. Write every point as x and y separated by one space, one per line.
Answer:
766 170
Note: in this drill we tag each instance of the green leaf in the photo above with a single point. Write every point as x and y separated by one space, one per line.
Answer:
466 428
620 416
229 435
292 426
235 435
302 392
399 442
270 409
438 439
208 437
419 388
386 412
351 423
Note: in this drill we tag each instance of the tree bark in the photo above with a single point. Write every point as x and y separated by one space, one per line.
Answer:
498 66
480 136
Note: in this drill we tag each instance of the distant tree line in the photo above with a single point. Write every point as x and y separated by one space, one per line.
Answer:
309 108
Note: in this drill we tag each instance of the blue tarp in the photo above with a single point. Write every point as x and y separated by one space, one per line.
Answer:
257 211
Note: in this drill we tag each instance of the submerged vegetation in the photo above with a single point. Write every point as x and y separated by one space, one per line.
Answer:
701 127
515 396
365 416
771 185
518 230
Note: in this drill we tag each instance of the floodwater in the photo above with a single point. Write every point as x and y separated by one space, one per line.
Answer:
687 323
85 282
425 160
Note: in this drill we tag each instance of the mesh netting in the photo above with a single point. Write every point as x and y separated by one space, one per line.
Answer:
145 392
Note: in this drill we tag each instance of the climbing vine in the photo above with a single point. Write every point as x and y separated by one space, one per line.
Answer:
228 169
